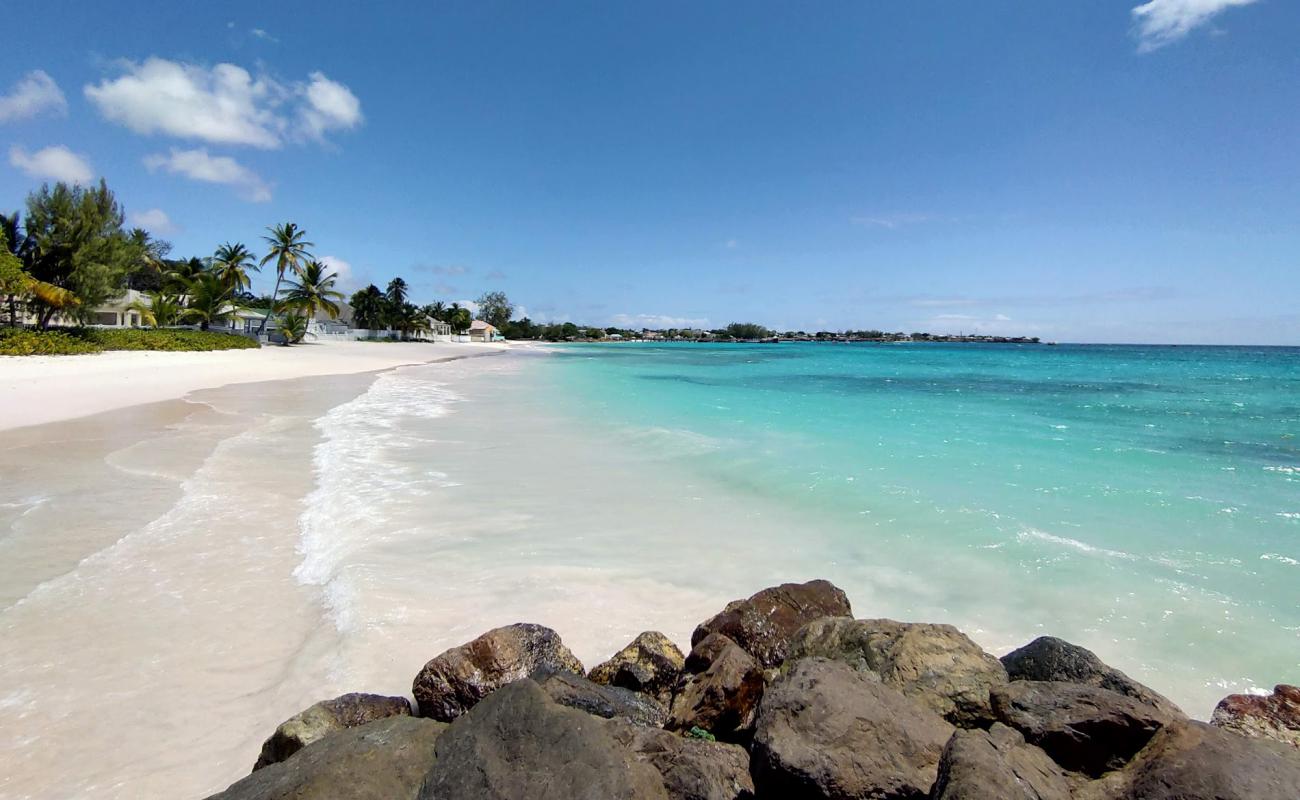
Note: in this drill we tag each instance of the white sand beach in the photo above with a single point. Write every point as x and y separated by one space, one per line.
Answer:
40 389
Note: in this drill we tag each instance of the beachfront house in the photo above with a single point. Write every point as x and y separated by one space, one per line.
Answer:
481 331
117 313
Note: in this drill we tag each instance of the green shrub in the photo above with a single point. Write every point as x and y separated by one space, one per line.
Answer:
166 339
22 342
75 341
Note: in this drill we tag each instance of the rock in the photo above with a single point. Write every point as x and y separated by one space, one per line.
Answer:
1083 728
997 763
826 730
723 696
610 702
452 683
1193 761
518 743
1275 716
651 664
381 760
1050 659
328 716
764 624
692 769
936 665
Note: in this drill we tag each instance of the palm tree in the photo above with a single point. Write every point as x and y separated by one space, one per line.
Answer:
459 318
177 279
436 310
368 308
163 309
288 248
293 327
396 293
207 301
314 291
232 262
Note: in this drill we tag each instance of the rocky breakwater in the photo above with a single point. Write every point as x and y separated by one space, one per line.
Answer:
783 695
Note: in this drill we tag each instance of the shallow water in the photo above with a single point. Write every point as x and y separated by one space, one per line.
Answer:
178 578
1144 501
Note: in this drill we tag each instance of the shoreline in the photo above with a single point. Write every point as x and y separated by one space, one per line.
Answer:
36 390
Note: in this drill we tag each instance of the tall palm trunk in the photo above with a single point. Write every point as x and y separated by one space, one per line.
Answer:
274 294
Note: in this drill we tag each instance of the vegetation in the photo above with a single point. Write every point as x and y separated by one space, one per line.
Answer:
495 309
314 291
75 341
288 249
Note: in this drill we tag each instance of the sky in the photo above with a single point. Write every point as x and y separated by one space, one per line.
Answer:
1079 171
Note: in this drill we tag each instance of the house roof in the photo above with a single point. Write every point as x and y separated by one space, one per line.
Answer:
481 325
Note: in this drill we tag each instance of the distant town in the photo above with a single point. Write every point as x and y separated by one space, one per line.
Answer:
753 333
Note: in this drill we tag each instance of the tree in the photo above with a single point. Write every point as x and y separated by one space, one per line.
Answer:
76 244
232 263
437 310
396 292
314 291
208 301
495 308
746 330
458 318
147 272
178 274
368 308
522 329
289 248
293 327
163 309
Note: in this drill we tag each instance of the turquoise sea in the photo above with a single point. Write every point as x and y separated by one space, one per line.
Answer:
1141 500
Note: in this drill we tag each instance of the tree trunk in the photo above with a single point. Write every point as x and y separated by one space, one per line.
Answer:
274 294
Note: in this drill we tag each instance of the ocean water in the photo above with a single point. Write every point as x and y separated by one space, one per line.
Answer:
1143 501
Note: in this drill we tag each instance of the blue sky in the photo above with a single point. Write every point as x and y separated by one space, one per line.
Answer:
1081 171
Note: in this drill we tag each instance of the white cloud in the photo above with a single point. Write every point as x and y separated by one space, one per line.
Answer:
1162 22
56 163
261 34
342 269
328 105
198 165
154 220
656 321
890 221
224 104
35 93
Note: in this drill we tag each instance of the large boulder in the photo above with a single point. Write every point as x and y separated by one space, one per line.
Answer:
1193 761
1275 716
936 665
826 730
325 717
692 769
452 683
1050 659
610 702
518 743
381 760
651 664
723 693
997 763
764 624
1083 728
